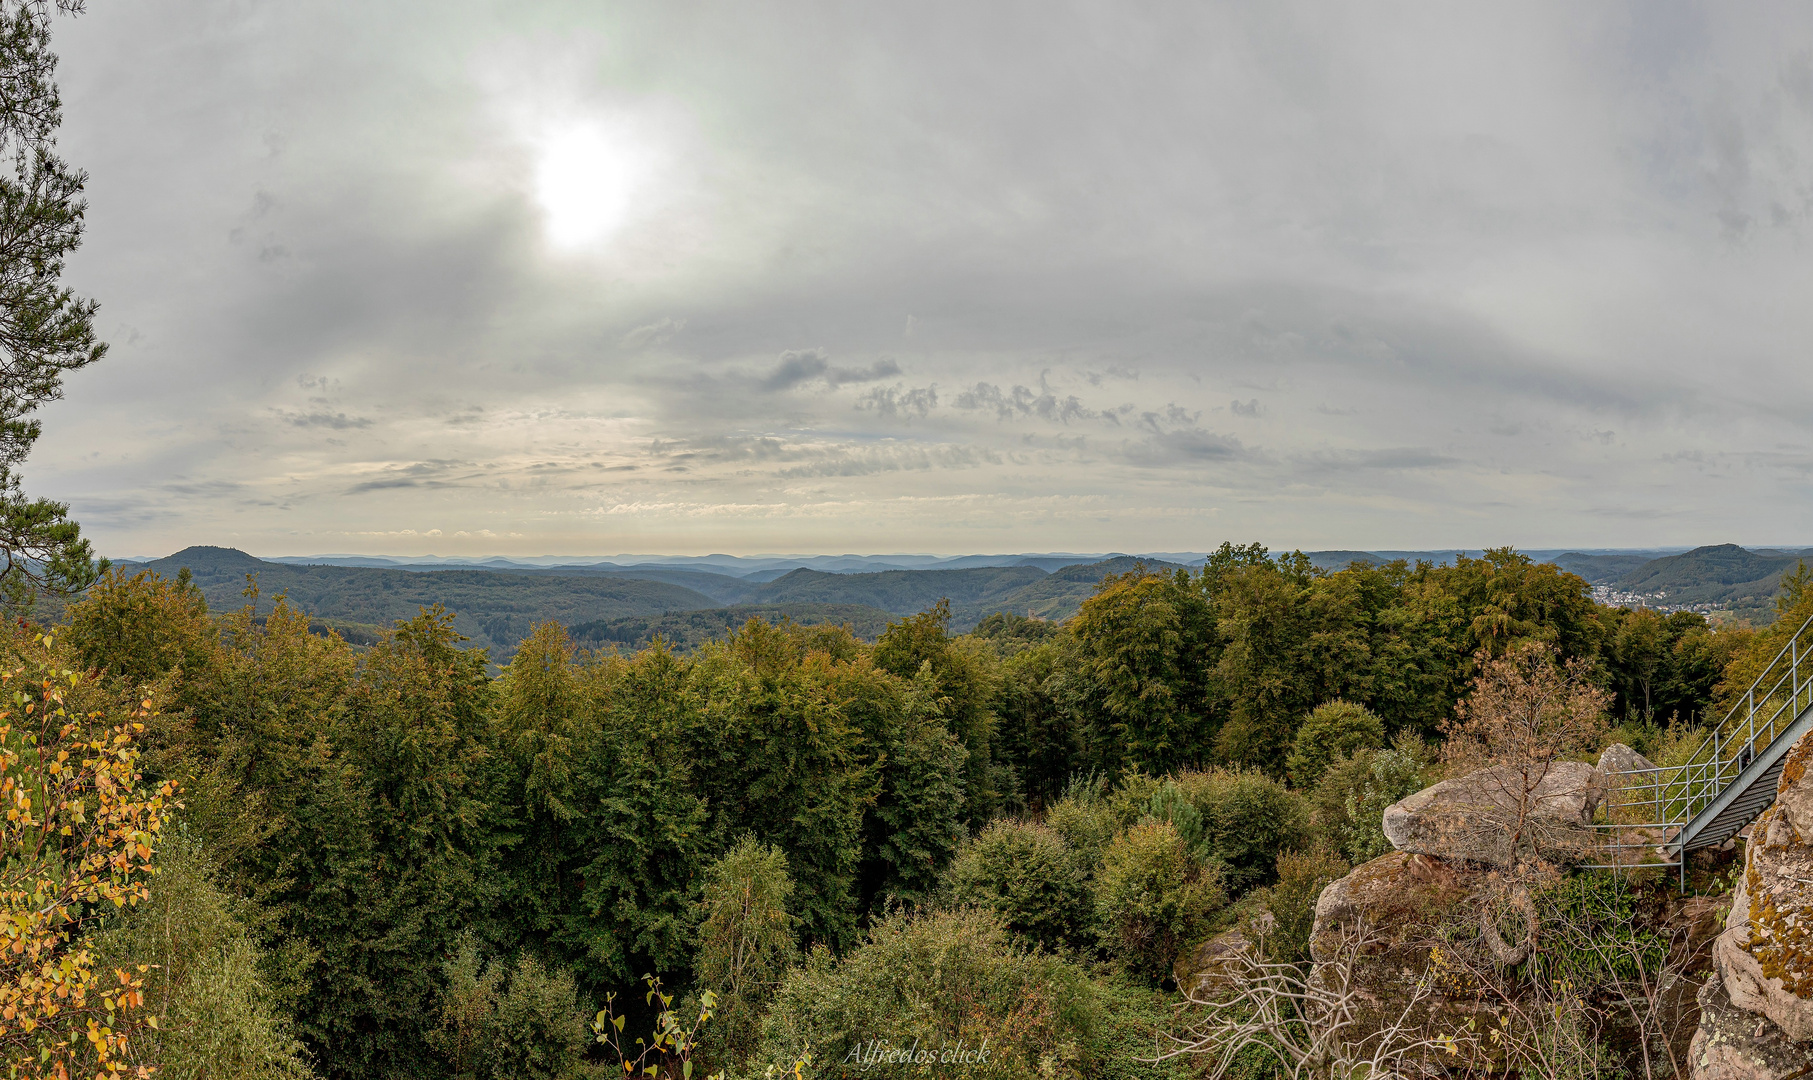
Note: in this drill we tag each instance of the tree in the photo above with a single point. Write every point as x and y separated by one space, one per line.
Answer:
210 982
961 684
1293 637
1036 734
1526 714
780 752
1512 599
916 824
612 831
144 627
382 888
1147 642
45 329
745 942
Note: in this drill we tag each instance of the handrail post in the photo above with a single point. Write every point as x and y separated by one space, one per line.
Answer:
1749 728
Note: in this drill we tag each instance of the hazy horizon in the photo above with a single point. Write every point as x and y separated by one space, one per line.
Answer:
576 557
653 277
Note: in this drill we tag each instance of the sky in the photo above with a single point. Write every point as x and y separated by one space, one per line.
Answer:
590 278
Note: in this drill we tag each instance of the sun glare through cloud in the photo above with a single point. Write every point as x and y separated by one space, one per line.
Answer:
586 180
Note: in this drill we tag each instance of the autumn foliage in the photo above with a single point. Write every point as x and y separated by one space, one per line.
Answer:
80 833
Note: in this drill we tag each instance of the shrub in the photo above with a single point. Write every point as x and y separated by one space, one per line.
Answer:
1085 821
1169 803
1291 902
1136 1018
1025 873
1152 898
81 830
1247 819
1335 729
1131 798
1349 801
468 1005
501 1023
537 1032
935 980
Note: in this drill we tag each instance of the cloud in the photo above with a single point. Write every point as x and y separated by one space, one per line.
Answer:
419 474
884 368
1022 401
874 460
988 226
1186 446
659 332
1388 459
893 401
337 421
797 367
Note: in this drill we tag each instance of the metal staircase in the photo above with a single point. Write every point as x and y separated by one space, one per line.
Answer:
1731 777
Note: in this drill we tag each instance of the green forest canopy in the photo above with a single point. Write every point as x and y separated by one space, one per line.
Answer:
372 811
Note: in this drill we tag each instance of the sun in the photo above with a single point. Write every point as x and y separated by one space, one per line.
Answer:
586 181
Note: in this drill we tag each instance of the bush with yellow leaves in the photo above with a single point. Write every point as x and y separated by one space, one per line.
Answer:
80 833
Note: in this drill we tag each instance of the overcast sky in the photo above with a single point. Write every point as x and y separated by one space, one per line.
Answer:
589 278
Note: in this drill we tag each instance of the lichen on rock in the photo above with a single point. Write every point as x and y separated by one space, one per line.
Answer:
1735 1044
1765 955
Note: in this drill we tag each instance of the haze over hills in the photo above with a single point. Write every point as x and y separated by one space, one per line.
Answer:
769 567
497 608
691 600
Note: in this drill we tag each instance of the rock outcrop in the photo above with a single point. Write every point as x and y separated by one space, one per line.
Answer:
1735 1044
1502 815
1619 758
1757 1014
1207 969
1384 923
1396 931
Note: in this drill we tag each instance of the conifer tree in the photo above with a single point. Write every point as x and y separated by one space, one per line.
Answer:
45 329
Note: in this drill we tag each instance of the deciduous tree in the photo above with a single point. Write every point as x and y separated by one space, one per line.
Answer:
78 842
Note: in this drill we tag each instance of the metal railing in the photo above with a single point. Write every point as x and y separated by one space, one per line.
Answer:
1648 810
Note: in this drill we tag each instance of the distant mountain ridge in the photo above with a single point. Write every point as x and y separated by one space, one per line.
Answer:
731 565
497 608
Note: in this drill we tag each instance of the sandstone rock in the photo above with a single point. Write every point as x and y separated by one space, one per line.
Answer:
1211 966
1476 817
1619 758
1765 955
1735 1044
1397 904
1416 914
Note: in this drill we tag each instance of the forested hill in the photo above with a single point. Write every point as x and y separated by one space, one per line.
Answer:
1726 577
974 593
497 608
1720 574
